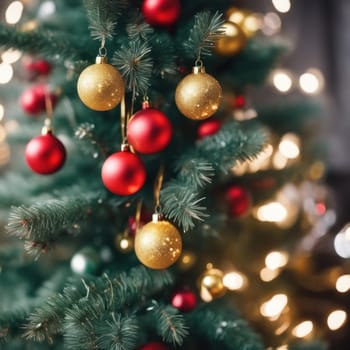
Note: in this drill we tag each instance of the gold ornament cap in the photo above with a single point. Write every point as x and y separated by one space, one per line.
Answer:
101 59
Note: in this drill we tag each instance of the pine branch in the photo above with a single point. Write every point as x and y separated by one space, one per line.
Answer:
135 64
195 172
170 324
45 43
181 204
117 332
232 143
138 29
72 311
220 324
206 30
103 16
41 221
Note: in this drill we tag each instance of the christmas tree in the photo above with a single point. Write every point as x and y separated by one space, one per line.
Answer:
148 203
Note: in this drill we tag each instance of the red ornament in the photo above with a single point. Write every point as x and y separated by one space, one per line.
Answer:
33 100
239 101
154 346
184 300
149 130
162 13
123 173
37 66
45 154
208 128
238 200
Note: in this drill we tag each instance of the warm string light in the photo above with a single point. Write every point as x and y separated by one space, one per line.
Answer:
271 23
6 73
336 319
273 308
342 242
11 56
343 284
235 280
14 12
303 329
282 80
311 82
282 6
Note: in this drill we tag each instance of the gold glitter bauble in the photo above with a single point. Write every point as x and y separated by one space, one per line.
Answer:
198 95
100 86
212 285
158 244
233 40
250 22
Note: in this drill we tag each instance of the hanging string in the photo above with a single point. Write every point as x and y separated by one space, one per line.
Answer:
157 188
102 51
138 214
49 113
123 119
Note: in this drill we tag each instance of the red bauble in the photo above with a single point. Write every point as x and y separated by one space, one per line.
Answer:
149 130
208 128
239 101
154 346
184 300
37 66
33 100
238 200
123 173
161 12
45 154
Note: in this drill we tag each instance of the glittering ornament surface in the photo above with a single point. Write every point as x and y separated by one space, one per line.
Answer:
198 95
158 244
100 86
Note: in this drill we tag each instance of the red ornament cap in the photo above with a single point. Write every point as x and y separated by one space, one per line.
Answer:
208 128
154 346
149 130
45 154
238 200
162 13
123 173
184 300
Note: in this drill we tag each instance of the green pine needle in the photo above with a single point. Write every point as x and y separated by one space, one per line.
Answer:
135 64
195 172
170 324
102 16
42 220
117 332
206 30
181 204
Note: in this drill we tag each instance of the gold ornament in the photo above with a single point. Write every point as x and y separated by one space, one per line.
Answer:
100 86
198 95
233 40
212 285
124 243
250 22
158 244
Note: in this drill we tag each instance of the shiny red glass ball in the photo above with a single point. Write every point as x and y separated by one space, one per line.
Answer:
123 173
208 128
45 154
154 346
238 200
33 101
161 12
149 131
184 300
